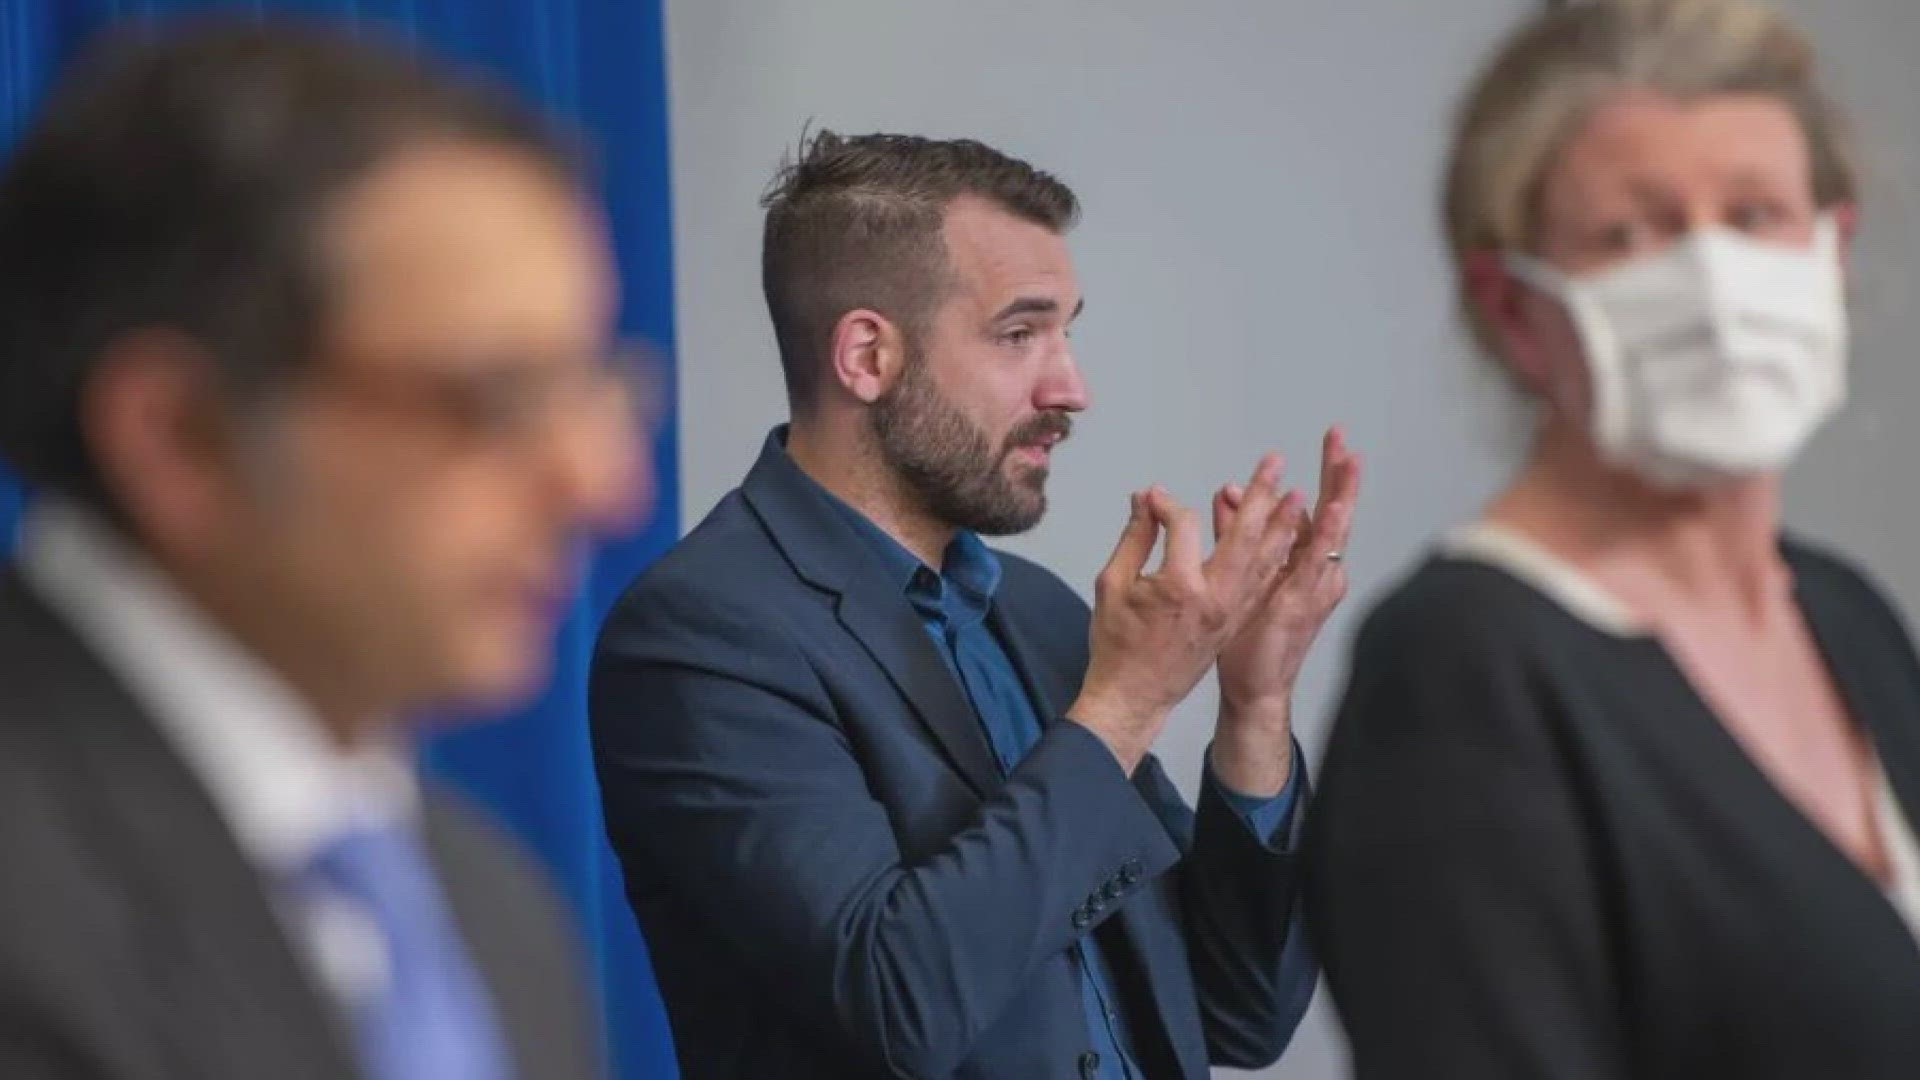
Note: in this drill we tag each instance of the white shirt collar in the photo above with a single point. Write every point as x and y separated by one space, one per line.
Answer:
1579 595
283 786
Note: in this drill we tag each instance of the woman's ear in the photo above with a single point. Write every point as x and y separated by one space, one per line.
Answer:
1846 220
1499 302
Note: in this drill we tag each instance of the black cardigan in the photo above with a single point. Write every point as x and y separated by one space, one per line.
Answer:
1536 854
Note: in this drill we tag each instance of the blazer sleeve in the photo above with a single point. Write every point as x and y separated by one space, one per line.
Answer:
726 778
1253 968
1454 892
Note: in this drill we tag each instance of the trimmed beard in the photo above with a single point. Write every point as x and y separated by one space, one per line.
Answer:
950 464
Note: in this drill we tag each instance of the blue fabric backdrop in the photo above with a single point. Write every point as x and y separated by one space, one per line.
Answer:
600 65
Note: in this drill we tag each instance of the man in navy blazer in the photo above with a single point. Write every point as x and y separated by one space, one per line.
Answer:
882 794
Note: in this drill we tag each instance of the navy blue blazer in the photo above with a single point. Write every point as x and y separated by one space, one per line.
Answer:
833 876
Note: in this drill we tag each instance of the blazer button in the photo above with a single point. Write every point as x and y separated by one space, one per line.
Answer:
1089 1065
1082 918
1111 890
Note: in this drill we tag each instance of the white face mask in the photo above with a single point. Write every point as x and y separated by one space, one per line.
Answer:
1712 360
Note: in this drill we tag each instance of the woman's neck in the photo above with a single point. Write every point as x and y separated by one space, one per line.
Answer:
1653 549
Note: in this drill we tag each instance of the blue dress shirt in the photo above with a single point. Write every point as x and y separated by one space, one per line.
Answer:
953 605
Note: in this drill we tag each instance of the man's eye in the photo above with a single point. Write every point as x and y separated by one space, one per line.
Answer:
1018 336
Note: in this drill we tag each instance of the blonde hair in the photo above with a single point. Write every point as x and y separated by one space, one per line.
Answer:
1551 74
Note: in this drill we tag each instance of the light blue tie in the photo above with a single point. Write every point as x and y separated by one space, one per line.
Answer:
432 1019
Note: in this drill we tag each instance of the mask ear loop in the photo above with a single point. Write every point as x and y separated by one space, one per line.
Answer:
1536 274
1826 235
1827 247
1599 347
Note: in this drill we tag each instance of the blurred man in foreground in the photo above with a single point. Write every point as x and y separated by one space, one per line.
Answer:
306 347
883 794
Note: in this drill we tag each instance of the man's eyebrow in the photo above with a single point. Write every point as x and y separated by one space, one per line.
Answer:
1036 305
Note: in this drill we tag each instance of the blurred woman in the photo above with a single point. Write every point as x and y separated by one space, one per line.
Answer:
1624 782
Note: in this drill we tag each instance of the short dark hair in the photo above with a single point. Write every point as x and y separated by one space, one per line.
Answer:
855 222
178 179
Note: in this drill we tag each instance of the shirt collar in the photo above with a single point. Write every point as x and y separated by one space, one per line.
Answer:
961 591
284 787
973 569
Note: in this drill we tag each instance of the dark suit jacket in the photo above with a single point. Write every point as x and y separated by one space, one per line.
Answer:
834 878
138 943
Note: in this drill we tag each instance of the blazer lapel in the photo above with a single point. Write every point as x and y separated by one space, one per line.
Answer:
1049 687
824 552
541 1006
229 995
891 632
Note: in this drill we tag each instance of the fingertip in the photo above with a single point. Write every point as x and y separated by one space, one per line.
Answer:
1156 502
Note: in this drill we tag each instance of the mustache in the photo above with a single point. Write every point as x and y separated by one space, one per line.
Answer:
1046 426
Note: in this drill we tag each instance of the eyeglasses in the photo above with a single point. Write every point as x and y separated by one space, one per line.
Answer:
512 402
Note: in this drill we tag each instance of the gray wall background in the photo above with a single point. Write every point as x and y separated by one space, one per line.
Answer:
1260 255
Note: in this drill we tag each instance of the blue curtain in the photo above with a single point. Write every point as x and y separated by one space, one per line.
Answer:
600 65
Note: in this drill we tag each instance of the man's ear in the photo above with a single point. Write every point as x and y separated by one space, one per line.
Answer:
868 354
151 420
